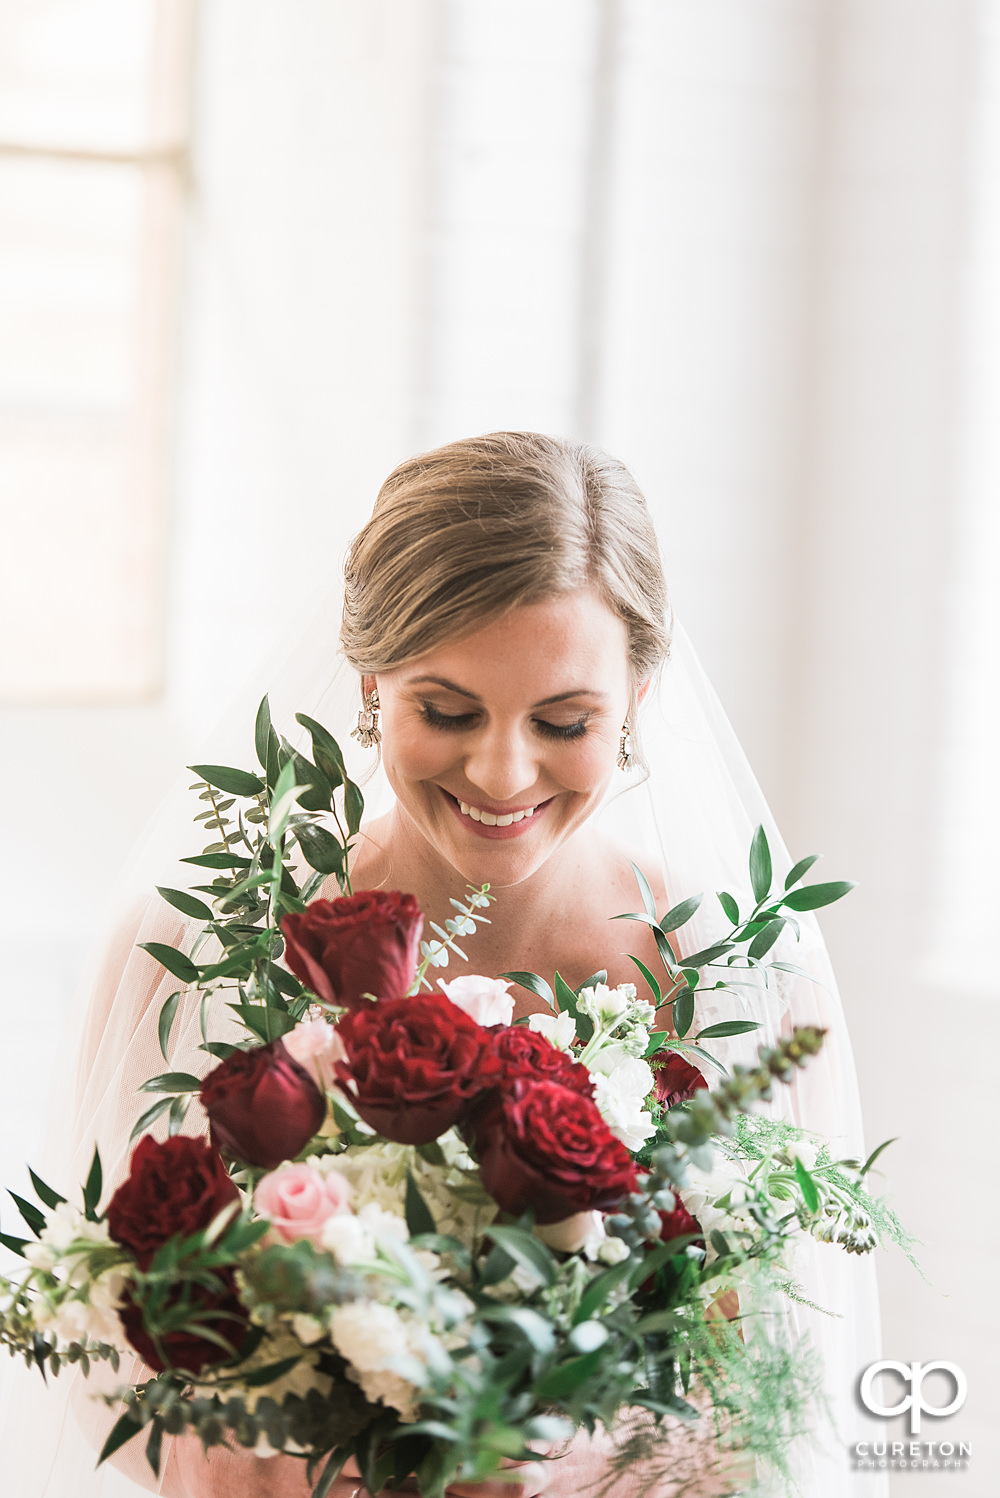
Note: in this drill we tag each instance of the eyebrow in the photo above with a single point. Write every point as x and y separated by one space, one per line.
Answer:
451 686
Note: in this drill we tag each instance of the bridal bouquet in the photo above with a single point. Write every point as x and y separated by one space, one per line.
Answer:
417 1233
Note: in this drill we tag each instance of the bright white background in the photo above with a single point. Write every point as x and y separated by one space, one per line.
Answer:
751 246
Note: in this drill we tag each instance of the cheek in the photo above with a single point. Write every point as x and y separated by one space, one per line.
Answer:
585 766
411 751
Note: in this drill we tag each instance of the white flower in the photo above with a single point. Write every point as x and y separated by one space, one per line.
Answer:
613 1251
39 1255
619 1096
348 1240
559 1029
374 1339
75 1320
802 1149
107 1290
485 1000
606 1005
308 1329
67 1226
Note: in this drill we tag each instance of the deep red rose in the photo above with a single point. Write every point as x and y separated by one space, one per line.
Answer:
545 1146
675 1080
263 1106
356 944
173 1189
415 1065
187 1350
676 1224
526 1054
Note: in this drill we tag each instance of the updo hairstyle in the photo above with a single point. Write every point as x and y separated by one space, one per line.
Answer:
464 533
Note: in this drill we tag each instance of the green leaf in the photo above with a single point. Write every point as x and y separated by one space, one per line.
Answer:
876 1152
813 896
569 1376
802 867
601 976
538 1329
30 1213
322 850
149 1117
173 1082
219 1048
319 796
807 1185
683 1011
45 1193
16 1245
268 1374
233 782
419 1218
123 1430
94 1186
154 1445
533 984
178 1113
261 731
760 865
174 961
765 940
680 914
354 806
653 985
185 903
728 1027
326 750
648 899
800 972
330 1473
708 955
696 1050
599 1289
566 1001
165 1024
730 906
657 1040
265 1022
526 1250
218 861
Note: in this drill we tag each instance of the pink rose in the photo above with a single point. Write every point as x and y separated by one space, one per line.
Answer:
316 1045
485 1000
298 1199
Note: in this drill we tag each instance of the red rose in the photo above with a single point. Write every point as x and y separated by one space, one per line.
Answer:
357 944
675 1079
676 1224
527 1055
186 1349
545 1146
263 1106
173 1189
415 1065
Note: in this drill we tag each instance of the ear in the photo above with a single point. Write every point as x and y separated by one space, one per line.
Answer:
643 689
368 685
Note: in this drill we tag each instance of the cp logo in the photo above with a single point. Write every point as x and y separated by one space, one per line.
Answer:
914 1375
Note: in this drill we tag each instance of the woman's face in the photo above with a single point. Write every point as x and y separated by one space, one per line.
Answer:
500 746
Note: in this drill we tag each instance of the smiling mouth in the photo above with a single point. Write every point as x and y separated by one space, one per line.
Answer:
481 817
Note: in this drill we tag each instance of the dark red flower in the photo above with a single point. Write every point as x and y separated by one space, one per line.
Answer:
414 1065
526 1054
356 944
676 1224
675 1080
545 1146
186 1349
173 1189
263 1106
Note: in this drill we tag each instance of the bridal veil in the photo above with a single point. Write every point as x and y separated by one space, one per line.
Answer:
693 814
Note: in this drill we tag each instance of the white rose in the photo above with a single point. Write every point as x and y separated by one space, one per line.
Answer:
559 1029
619 1096
613 1251
368 1334
485 1000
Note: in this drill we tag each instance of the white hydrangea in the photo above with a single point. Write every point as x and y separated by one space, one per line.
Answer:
375 1340
559 1029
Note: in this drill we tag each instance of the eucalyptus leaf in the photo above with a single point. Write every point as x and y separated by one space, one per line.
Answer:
653 985
645 892
149 1117
730 906
261 731
680 914
168 1014
321 849
326 750
174 961
728 1027
354 806
185 903
172 1081
534 984
218 861
683 1011
765 940
797 870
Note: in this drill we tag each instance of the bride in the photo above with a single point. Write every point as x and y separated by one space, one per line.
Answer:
530 724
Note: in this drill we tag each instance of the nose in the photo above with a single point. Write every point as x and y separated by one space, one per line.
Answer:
502 763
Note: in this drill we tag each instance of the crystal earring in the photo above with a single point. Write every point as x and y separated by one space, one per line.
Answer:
625 747
367 732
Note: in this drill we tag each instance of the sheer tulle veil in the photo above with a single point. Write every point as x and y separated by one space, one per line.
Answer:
692 812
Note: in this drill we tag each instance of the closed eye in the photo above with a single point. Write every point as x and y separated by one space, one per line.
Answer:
461 722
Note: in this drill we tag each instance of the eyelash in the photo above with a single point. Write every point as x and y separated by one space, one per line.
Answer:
458 722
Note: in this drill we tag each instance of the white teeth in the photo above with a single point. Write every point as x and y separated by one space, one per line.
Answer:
489 819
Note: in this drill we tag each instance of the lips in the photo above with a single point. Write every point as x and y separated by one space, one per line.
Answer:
494 824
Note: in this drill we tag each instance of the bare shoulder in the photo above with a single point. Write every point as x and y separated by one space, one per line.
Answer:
618 878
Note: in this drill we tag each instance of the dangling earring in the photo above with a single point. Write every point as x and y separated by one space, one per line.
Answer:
367 732
625 747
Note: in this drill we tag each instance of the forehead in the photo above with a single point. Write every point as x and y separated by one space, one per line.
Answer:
567 643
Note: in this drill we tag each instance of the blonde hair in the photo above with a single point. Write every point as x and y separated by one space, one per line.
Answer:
464 533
